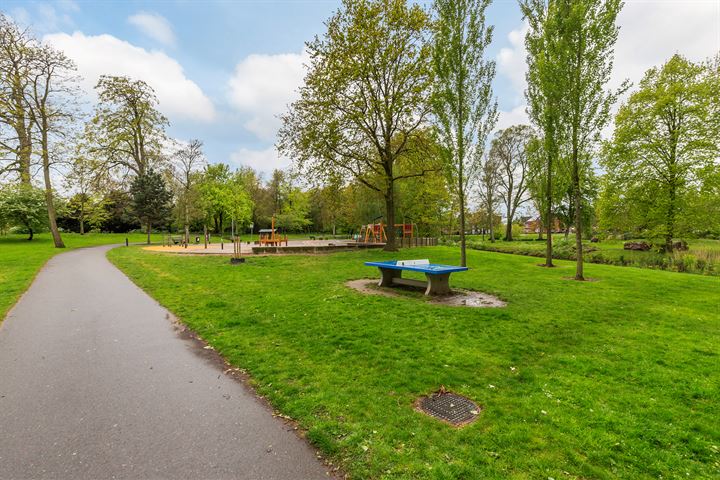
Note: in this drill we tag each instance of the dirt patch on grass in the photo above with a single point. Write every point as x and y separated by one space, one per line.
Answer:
458 297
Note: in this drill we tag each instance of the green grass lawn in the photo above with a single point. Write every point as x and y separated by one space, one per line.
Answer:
617 378
703 256
20 260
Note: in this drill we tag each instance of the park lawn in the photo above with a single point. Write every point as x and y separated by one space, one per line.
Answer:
616 378
21 260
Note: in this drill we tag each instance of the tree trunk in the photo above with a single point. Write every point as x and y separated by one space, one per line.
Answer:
31 234
52 216
463 253
509 215
390 214
23 133
508 228
492 227
670 220
205 235
149 228
578 220
82 218
187 220
548 215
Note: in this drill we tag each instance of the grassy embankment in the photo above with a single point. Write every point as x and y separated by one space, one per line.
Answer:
703 256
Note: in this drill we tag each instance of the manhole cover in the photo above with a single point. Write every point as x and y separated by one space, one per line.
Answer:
450 407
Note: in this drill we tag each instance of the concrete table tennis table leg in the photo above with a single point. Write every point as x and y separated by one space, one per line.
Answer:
387 276
437 283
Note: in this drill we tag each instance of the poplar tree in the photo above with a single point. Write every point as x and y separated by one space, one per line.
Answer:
588 33
570 47
463 107
544 94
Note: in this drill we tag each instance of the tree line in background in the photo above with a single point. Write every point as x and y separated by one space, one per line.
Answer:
395 92
395 119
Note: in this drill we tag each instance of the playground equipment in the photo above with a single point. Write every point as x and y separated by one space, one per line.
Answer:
270 237
372 233
375 232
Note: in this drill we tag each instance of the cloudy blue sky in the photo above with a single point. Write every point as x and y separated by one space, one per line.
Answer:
224 70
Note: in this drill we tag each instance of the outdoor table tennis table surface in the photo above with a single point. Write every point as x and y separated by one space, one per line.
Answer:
431 269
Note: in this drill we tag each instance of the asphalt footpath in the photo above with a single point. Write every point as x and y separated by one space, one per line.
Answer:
96 382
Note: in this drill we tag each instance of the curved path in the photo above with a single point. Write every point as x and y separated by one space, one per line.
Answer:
96 383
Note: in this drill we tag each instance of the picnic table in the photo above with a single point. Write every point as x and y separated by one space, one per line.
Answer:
437 275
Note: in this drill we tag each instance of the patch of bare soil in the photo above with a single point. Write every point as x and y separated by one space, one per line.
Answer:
458 298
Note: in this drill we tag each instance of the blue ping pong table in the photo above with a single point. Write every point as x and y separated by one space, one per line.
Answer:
438 276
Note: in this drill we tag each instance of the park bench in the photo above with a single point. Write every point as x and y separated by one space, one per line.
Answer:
438 276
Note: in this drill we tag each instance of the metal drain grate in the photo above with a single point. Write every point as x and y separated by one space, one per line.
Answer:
449 407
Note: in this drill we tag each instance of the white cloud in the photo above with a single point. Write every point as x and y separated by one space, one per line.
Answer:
511 61
262 86
179 97
516 116
154 26
264 161
651 31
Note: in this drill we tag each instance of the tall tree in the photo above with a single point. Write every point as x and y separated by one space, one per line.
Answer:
666 138
489 181
462 100
364 100
189 160
16 47
588 32
545 92
151 199
127 128
509 149
50 96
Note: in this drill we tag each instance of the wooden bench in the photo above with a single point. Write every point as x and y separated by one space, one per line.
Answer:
438 276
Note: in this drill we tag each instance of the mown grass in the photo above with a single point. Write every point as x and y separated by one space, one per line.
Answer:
616 378
20 260
703 256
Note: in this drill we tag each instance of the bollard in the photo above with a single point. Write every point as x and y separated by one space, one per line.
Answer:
126 242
